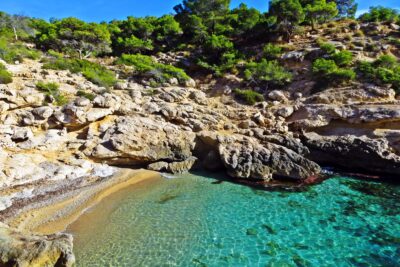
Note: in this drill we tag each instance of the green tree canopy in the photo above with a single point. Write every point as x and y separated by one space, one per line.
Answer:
320 11
289 14
72 35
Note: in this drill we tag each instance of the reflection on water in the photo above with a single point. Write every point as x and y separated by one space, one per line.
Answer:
193 221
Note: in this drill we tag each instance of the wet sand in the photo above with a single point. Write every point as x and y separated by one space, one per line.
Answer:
56 216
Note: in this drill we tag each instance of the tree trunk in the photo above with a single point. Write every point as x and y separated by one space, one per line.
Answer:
15 33
313 24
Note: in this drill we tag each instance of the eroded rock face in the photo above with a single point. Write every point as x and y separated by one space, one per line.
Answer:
140 141
352 152
27 250
251 160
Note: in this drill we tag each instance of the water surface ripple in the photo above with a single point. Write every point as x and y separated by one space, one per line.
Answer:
191 221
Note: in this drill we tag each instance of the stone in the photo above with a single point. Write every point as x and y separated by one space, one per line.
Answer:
277 96
285 111
190 83
354 152
24 249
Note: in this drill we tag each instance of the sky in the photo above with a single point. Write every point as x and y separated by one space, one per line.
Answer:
106 10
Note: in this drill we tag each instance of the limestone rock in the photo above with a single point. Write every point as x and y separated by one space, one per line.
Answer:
353 152
27 250
252 160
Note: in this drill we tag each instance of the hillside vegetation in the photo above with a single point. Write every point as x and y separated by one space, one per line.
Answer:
208 38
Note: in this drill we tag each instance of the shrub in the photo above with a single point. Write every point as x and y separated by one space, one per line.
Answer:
324 66
328 72
250 97
5 76
272 51
343 58
17 51
94 72
384 70
52 89
147 67
267 71
343 75
328 48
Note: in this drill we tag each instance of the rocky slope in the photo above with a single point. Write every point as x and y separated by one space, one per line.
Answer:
47 151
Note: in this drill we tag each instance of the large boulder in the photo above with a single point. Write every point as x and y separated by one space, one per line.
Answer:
256 161
138 141
28 250
354 152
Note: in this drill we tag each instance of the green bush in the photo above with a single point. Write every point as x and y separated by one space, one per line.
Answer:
272 51
147 67
343 75
250 97
16 51
94 72
384 70
326 71
327 48
5 76
267 71
52 89
343 58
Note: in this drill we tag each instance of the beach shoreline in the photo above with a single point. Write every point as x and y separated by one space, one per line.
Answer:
57 215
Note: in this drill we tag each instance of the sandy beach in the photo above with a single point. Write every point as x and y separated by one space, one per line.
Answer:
57 215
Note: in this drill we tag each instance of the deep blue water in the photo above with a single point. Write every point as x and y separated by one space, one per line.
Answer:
193 221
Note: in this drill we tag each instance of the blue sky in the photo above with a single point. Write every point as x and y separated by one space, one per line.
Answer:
105 10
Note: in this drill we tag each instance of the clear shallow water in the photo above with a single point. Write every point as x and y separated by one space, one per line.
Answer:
195 222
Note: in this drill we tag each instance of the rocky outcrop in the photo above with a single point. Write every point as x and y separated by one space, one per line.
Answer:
354 153
28 250
247 158
138 142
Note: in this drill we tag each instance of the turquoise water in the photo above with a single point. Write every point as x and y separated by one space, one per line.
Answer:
194 221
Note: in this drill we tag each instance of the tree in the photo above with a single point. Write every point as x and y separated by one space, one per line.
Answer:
17 25
133 35
381 14
203 7
346 8
289 14
320 11
244 19
210 12
73 35
167 30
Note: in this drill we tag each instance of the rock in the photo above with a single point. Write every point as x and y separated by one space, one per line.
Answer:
294 55
158 166
190 83
182 166
21 134
42 113
82 102
173 81
250 160
199 97
121 86
140 141
277 96
394 26
353 152
22 249
285 111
